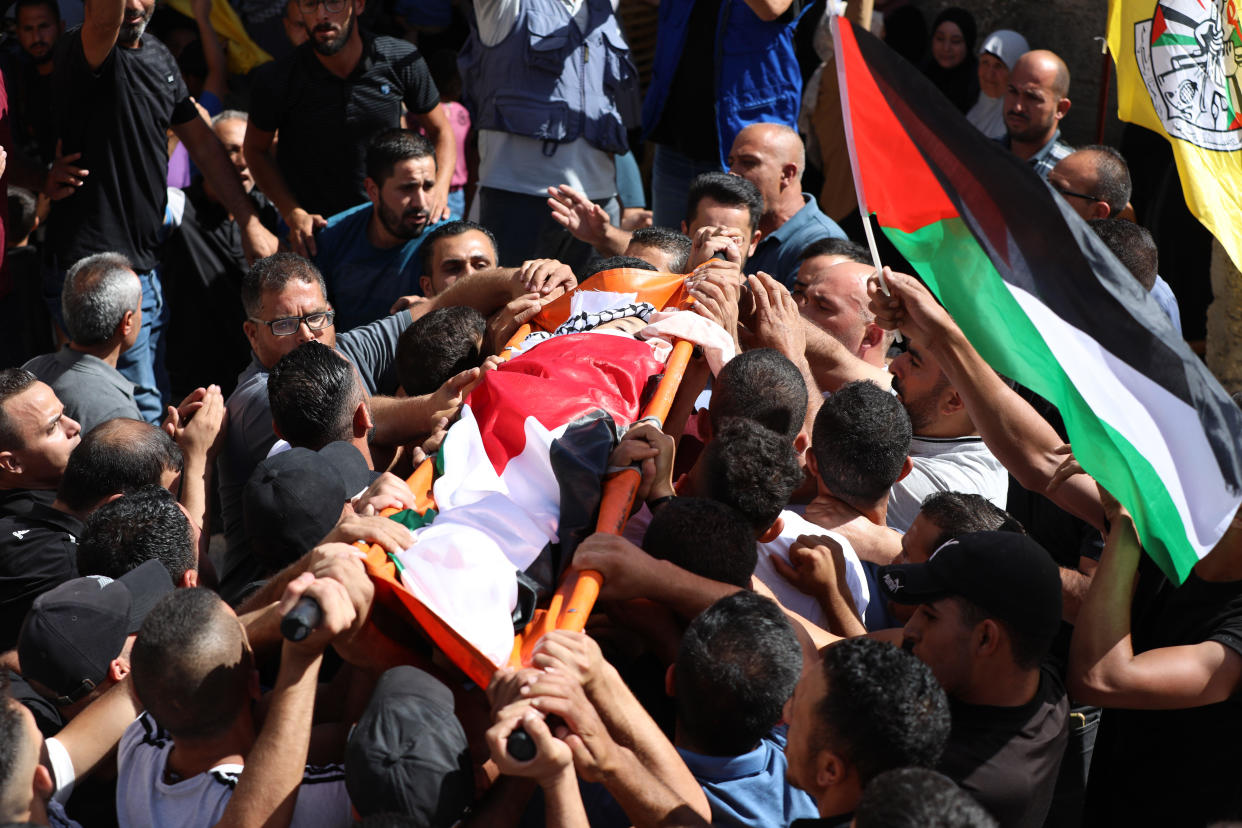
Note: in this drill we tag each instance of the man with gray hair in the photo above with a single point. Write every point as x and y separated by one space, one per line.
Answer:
102 307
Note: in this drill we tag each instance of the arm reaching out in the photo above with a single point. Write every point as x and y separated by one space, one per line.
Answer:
586 221
1103 667
578 656
267 790
649 796
1020 438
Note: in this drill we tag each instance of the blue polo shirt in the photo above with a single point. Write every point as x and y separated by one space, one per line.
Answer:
778 252
364 280
751 790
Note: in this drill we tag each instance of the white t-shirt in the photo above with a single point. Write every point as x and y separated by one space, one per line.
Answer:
946 464
516 163
144 799
790 597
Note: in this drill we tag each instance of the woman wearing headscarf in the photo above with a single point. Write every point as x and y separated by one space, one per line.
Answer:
952 66
999 52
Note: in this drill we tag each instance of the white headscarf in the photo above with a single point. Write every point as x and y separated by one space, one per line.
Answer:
1005 44
988 114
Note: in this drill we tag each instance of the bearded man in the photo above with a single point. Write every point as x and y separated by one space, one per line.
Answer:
369 254
328 98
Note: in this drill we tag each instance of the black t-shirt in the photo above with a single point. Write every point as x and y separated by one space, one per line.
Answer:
205 253
1066 537
1173 767
38 551
325 122
1008 757
117 117
21 501
31 110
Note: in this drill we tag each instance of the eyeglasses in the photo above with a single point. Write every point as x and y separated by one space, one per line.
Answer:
332 6
289 324
1070 193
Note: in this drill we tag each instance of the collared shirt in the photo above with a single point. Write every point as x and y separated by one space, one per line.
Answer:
38 551
326 121
751 789
1048 155
778 252
92 390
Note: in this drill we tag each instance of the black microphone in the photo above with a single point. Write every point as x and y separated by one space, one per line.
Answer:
299 621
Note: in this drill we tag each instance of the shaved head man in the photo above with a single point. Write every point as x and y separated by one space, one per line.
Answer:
773 158
831 292
1035 102
1094 180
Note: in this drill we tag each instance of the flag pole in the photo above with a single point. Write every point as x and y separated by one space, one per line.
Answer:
863 212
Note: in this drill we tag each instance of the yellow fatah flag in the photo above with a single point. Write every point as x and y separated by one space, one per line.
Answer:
243 54
1179 73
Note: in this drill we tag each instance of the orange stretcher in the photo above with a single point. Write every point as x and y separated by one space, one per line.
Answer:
570 606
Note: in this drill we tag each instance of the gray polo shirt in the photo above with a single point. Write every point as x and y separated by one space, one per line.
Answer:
92 390
371 348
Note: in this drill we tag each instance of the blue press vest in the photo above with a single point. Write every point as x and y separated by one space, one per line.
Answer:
757 75
548 80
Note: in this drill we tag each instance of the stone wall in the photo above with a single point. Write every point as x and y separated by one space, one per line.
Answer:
1067 27
1224 322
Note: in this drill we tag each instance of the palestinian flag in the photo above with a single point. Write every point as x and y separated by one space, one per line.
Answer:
521 481
1044 302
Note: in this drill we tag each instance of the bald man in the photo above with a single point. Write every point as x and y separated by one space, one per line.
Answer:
1035 102
772 157
831 292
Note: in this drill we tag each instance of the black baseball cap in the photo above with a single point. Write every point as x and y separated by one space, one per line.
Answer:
74 631
1006 574
408 753
294 498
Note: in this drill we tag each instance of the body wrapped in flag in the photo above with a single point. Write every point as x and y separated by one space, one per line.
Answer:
523 467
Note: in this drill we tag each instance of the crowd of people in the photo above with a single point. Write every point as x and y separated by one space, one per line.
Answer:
864 580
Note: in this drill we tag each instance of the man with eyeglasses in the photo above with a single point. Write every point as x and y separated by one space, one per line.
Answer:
286 306
327 98
1095 182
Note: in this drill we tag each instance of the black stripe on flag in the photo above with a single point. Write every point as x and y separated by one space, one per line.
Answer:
1038 244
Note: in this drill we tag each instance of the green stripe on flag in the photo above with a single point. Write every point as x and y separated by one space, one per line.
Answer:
1167 39
958 271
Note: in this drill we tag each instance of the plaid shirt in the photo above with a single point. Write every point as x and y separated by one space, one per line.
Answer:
1048 156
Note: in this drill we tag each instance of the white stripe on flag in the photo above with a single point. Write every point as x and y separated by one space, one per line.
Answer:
488 526
1165 429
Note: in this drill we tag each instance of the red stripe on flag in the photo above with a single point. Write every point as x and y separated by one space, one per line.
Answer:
557 382
906 196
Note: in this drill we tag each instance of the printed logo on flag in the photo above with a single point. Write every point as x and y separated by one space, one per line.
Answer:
1189 54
